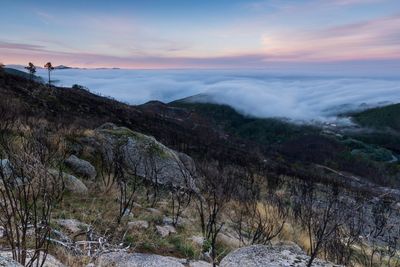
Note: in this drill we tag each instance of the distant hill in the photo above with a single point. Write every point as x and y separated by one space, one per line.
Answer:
387 117
262 130
62 67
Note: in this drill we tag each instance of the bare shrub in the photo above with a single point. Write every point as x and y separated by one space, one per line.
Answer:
217 187
27 194
318 211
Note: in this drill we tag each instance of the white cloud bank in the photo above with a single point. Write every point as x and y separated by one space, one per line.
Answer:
251 92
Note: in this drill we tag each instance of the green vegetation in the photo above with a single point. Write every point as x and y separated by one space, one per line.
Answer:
371 152
265 131
387 117
363 153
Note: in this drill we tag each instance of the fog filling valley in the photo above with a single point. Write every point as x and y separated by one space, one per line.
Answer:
299 98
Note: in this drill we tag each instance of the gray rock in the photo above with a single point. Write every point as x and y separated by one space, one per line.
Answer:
6 167
146 156
165 230
266 256
8 262
139 224
51 261
72 184
71 225
81 167
127 214
188 162
167 220
199 264
124 259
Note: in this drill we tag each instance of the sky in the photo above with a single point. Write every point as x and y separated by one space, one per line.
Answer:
174 34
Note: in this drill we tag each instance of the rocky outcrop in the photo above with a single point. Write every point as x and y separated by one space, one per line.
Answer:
81 167
124 259
144 156
266 256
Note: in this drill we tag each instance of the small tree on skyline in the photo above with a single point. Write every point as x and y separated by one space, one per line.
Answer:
49 68
32 70
1 69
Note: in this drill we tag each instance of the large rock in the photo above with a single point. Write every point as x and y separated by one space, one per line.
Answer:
72 184
124 259
267 256
7 262
81 167
6 258
145 156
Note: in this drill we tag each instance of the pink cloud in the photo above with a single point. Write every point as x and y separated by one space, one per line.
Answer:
378 38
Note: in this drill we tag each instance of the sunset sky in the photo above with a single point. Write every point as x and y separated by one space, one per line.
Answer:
200 34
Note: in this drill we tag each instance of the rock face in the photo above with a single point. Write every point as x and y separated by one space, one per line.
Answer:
144 156
123 259
81 167
267 256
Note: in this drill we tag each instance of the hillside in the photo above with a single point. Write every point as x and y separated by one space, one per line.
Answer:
186 184
264 131
382 118
363 153
22 74
78 106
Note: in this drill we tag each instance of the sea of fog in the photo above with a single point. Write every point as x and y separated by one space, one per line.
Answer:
257 93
